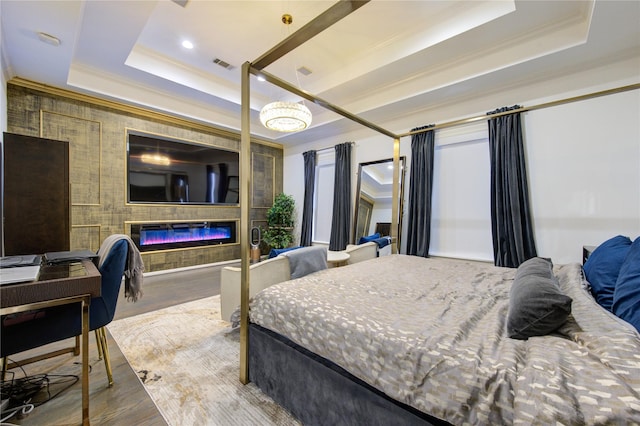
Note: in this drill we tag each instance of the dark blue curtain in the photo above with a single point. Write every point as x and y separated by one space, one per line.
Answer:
341 219
309 187
420 189
511 222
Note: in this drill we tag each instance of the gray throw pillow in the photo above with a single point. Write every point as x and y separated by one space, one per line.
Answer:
537 306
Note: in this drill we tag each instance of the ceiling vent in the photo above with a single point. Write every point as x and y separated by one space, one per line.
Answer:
223 64
304 71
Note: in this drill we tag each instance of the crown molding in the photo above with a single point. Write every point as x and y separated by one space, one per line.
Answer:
131 109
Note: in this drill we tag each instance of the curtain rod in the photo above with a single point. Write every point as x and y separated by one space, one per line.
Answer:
329 147
523 109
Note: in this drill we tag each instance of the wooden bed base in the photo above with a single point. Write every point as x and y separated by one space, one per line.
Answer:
318 392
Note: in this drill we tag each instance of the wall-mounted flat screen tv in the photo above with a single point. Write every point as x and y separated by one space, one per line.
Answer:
163 170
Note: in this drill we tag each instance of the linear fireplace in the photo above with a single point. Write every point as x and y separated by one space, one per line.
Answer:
165 236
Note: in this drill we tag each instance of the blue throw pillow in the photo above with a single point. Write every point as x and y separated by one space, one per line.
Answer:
602 268
382 241
626 298
275 252
369 238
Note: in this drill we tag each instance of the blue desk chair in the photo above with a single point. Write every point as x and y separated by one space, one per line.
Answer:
34 329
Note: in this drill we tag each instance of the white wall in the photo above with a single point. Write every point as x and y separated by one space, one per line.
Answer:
4 73
4 76
584 173
583 165
3 101
381 212
293 169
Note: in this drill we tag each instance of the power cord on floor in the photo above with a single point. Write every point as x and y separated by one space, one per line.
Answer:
20 396
21 410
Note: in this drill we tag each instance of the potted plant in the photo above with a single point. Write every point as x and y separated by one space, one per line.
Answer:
280 219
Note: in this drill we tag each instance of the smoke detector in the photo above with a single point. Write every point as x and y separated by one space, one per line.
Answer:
304 71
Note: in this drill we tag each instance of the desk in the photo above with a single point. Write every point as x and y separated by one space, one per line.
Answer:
58 285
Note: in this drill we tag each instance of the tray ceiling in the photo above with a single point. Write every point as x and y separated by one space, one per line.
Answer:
386 60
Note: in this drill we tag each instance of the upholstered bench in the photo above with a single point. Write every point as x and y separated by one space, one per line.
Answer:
261 276
272 271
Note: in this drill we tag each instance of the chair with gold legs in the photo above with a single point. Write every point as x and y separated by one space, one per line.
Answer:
31 330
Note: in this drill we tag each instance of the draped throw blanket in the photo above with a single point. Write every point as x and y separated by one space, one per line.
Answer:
511 222
420 189
309 186
134 267
341 219
306 260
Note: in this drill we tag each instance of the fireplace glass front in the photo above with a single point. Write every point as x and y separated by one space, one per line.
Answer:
165 236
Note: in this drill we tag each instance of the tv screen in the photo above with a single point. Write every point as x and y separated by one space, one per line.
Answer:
170 171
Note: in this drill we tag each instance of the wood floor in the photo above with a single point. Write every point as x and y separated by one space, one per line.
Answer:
126 403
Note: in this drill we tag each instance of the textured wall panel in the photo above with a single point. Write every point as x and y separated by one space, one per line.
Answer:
259 223
85 148
74 118
263 167
85 237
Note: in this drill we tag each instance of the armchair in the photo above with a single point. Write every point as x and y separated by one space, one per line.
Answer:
62 322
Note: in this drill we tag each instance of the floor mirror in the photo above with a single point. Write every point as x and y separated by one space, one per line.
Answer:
374 197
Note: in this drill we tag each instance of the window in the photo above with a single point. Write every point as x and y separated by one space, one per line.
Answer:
461 215
323 203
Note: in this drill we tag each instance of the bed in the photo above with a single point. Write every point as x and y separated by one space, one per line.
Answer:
408 340
364 344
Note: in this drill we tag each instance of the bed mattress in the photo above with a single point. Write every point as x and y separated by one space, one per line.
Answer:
430 333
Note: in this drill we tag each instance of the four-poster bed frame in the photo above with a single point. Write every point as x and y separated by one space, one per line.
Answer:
320 23
314 27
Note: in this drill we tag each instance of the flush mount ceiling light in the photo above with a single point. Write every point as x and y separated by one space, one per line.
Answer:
285 116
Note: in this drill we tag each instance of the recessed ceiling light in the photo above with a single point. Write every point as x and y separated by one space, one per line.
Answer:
187 44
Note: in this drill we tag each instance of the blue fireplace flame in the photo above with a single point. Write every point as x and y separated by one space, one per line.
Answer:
165 236
181 235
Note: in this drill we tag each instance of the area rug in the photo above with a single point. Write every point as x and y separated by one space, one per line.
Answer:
188 360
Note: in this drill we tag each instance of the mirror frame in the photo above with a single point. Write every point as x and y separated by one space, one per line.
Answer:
403 162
